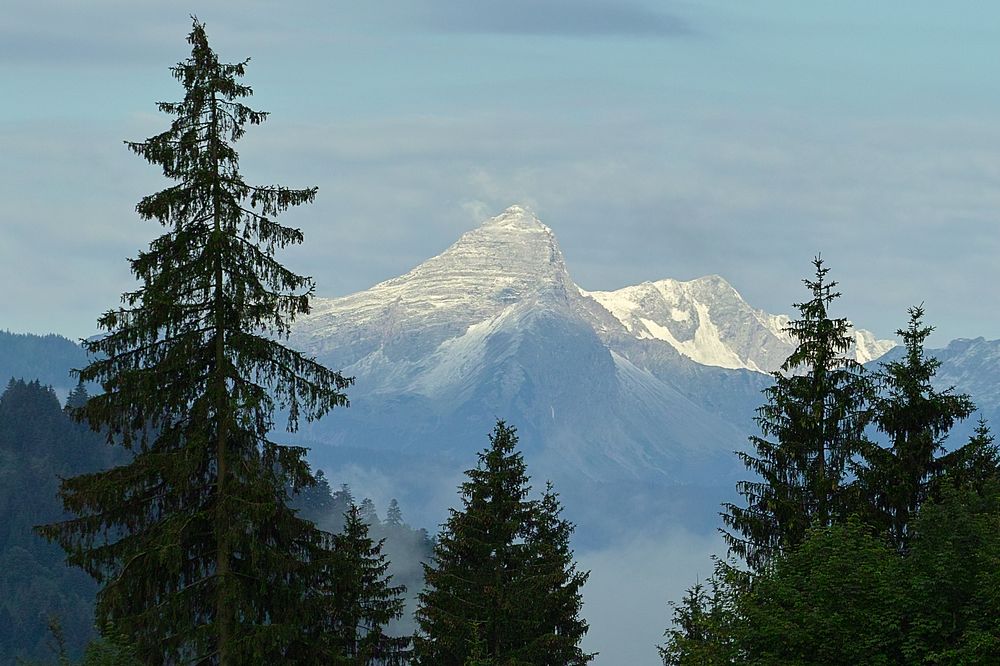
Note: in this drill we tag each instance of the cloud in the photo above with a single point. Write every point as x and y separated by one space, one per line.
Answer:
626 600
640 198
630 199
571 18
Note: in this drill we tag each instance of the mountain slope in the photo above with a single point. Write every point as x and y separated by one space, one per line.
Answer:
47 358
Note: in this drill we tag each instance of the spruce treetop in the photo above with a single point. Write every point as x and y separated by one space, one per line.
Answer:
811 428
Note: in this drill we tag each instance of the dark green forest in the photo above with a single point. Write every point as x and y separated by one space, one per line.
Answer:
39 444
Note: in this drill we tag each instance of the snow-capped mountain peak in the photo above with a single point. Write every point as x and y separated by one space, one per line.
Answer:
509 259
708 321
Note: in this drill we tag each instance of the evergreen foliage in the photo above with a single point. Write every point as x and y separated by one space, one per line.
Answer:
404 547
393 515
319 504
502 588
555 587
704 622
846 595
916 419
360 601
901 566
812 425
197 553
974 467
368 512
38 444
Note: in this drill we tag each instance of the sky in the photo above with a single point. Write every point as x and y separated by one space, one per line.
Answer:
657 139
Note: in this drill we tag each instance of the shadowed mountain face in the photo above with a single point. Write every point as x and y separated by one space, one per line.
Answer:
636 390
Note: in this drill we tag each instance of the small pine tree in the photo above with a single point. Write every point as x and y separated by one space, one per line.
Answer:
77 398
502 586
916 418
812 426
393 515
368 513
704 622
344 495
975 466
555 588
360 600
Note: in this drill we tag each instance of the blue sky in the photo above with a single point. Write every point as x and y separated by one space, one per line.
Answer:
658 139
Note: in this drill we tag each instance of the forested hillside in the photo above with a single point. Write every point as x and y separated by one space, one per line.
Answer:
39 443
47 358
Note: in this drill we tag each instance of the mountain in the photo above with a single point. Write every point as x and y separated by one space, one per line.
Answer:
708 321
633 391
47 358
632 401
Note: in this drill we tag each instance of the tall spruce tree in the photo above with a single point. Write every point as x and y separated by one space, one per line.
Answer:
812 425
393 515
198 556
916 419
502 586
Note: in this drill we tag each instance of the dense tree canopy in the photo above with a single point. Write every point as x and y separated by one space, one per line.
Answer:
896 564
39 443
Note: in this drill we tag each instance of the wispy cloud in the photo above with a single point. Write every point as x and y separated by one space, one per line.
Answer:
626 600
575 18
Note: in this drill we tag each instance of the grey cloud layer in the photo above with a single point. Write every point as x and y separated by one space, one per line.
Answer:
553 17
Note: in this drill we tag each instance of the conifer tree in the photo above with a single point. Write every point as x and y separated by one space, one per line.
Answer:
393 515
367 512
198 556
916 418
77 398
704 627
811 426
502 586
975 466
555 588
360 601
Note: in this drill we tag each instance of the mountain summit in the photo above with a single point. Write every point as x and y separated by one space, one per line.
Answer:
630 401
617 384
509 259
